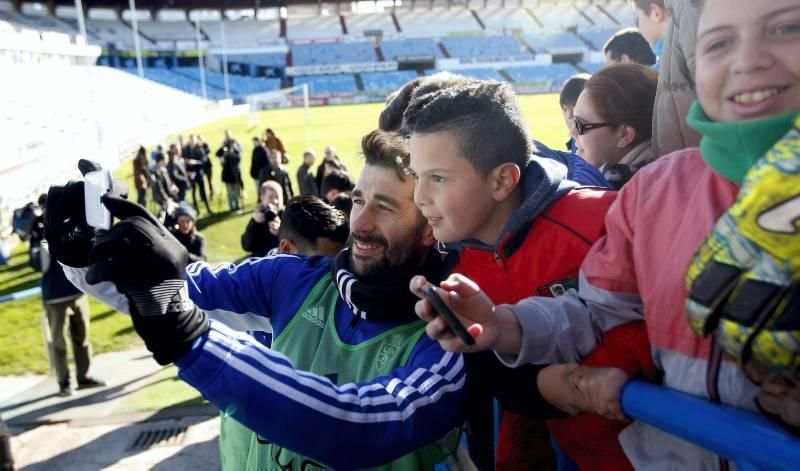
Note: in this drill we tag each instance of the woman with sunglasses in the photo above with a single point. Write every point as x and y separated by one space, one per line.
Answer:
613 120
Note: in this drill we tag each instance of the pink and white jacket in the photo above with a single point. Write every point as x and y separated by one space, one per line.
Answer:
637 272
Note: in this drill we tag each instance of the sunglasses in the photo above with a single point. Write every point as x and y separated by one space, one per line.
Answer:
581 128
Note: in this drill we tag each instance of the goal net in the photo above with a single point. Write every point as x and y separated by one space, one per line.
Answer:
292 97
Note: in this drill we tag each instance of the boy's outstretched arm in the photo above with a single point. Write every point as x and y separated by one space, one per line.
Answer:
492 327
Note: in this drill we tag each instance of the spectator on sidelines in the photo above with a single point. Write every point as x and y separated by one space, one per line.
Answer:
195 159
628 46
186 233
653 20
344 203
177 172
305 175
348 362
261 234
334 183
141 175
158 150
273 142
717 253
278 174
165 193
613 120
230 154
567 98
330 163
208 166
496 211
259 163
309 226
67 309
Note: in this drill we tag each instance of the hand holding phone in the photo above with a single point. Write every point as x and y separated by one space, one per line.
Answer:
449 316
95 185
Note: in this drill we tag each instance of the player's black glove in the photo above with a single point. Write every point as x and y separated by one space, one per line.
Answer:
65 228
147 264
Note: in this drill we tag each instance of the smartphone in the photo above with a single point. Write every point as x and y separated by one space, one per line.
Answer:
95 185
450 317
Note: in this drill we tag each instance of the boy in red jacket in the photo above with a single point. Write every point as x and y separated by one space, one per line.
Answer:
515 224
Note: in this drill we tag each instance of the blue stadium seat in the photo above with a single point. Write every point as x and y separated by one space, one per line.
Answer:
333 53
419 47
555 42
328 84
486 48
383 83
480 73
530 74
271 59
598 38
591 67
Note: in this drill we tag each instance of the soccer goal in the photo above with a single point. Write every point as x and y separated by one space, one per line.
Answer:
292 97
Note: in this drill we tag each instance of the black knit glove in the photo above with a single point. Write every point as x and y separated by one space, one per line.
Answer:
146 263
68 236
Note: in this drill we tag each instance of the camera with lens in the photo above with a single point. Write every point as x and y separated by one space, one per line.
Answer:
269 212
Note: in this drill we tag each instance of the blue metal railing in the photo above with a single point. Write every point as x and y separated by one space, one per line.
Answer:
26 293
750 440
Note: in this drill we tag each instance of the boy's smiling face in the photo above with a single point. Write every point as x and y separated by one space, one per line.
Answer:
452 195
748 64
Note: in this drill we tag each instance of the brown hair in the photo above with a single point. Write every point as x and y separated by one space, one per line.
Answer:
625 94
387 149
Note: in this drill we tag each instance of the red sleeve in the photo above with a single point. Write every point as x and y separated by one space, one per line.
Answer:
626 347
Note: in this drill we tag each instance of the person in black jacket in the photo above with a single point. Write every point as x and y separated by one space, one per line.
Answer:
177 171
259 164
231 156
195 160
330 163
305 176
261 234
186 233
278 174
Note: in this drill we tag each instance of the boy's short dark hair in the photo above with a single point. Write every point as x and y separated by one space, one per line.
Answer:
631 42
387 149
306 218
485 118
337 180
391 118
572 89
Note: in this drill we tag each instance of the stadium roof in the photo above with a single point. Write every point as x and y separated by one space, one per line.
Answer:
182 4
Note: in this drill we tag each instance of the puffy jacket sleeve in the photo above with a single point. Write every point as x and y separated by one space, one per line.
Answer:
361 424
569 327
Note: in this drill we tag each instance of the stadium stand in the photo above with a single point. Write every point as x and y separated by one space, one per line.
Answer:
481 73
505 20
621 11
244 32
556 43
418 23
239 85
383 83
357 24
40 23
591 67
419 47
556 74
486 49
113 32
269 59
598 38
314 27
599 15
333 53
167 30
328 84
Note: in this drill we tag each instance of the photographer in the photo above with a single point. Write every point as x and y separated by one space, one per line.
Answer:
261 234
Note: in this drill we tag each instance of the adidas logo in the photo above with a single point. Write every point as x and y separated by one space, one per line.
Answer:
315 315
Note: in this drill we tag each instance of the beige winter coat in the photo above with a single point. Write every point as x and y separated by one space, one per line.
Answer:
676 90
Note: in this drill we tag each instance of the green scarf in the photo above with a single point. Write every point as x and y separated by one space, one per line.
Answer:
732 148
